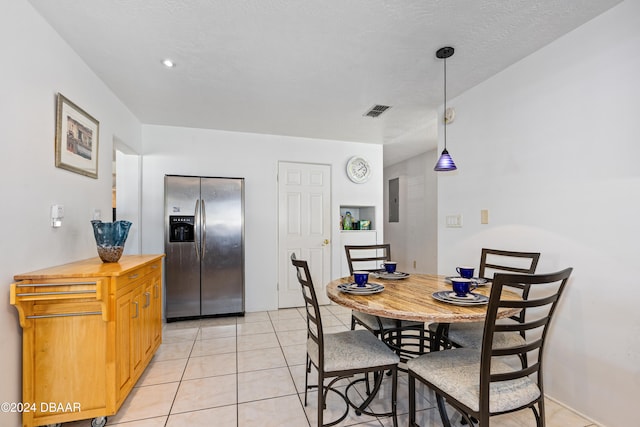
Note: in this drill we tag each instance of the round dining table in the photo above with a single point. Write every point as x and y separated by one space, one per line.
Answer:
411 298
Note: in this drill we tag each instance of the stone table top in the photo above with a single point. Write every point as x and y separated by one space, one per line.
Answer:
411 299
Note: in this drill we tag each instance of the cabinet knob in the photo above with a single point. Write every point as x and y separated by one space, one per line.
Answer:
326 242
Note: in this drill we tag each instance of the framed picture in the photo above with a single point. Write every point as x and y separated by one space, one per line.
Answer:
76 139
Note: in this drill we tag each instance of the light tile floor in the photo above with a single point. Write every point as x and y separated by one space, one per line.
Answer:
249 371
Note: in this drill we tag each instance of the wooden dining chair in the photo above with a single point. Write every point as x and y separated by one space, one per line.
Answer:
369 258
492 261
342 355
482 383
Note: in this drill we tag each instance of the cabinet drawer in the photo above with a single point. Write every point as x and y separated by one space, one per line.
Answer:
154 267
130 277
136 274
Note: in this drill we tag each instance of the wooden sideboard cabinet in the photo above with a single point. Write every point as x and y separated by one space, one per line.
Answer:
89 329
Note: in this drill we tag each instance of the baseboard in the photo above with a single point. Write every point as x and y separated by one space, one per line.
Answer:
564 405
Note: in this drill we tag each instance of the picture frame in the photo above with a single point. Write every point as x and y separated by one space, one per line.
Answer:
77 132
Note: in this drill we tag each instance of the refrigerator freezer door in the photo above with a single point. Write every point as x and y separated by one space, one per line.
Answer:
222 277
182 273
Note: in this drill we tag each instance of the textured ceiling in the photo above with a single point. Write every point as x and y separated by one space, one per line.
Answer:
306 68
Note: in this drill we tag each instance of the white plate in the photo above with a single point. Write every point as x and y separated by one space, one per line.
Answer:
368 289
390 276
468 297
445 296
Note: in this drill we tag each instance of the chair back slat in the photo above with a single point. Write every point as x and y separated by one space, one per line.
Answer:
493 261
515 375
517 350
520 327
539 307
367 257
499 261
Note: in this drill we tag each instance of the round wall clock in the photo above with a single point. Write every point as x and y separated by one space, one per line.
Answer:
358 170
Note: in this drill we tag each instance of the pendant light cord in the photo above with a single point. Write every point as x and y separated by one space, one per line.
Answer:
445 162
444 114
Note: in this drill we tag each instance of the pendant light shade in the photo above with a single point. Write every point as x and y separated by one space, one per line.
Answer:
445 162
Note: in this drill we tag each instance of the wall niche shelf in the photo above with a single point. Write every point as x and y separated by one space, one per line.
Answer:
359 213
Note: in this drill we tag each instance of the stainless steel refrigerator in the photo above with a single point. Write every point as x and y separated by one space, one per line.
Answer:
204 246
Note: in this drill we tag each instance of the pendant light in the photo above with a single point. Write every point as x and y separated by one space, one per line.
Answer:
445 162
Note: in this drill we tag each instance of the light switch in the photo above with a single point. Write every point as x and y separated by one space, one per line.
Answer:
454 221
57 213
484 216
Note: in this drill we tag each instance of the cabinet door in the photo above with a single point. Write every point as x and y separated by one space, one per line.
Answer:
147 318
137 329
156 306
124 371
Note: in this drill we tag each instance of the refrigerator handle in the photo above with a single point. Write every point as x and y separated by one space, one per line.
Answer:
204 227
197 224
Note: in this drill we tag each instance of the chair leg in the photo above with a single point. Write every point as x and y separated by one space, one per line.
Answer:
464 421
320 399
540 418
394 397
306 379
467 419
412 401
366 383
377 377
443 411
439 338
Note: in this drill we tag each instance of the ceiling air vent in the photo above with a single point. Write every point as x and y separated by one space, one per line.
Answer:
376 110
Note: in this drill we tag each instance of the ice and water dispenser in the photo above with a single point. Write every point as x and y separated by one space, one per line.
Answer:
181 228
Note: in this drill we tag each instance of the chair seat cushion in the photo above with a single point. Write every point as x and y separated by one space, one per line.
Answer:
371 322
457 373
351 350
469 334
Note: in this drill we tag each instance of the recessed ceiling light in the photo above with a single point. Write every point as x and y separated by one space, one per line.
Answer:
168 63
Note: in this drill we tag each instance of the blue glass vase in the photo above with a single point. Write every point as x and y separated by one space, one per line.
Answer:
110 238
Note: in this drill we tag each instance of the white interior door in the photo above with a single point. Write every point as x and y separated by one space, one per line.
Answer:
304 213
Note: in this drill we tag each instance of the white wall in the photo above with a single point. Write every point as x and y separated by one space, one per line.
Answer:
183 151
129 197
551 147
37 65
414 237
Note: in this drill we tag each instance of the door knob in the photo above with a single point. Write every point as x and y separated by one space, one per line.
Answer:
326 242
